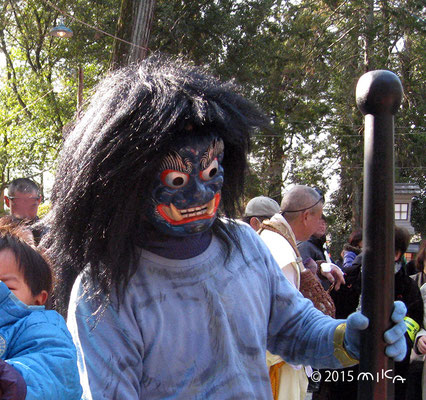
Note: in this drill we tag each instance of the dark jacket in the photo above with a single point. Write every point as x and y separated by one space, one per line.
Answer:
312 248
407 291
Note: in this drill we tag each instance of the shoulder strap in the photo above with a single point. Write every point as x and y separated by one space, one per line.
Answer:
281 230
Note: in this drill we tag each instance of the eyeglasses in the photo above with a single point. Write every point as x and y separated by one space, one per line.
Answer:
319 192
25 199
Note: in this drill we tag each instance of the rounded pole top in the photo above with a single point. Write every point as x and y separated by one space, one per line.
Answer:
379 92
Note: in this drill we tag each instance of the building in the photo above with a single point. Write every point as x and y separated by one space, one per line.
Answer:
404 193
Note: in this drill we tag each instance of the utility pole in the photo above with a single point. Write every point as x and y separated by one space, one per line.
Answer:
134 26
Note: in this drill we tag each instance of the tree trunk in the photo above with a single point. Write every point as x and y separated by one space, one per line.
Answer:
1 202
369 35
140 13
356 206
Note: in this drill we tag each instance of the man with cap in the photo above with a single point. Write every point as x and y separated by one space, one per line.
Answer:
297 219
258 209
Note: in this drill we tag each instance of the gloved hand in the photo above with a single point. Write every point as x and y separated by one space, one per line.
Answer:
396 348
12 384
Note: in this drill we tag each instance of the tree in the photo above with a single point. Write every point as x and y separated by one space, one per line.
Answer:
419 214
382 36
134 26
259 45
299 60
38 82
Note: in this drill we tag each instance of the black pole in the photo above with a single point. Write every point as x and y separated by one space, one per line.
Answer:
378 96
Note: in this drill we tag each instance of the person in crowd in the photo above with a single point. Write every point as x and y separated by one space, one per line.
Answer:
258 209
346 299
23 198
407 291
315 248
351 250
280 233
416 383
420 264
38 359
170 300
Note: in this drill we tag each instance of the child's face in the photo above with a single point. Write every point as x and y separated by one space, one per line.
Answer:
13 278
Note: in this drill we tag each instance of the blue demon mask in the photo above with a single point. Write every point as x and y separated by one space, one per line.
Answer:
186 192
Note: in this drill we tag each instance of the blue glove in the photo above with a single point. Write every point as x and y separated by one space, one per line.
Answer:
397 347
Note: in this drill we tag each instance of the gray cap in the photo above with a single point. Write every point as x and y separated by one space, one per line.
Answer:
261 206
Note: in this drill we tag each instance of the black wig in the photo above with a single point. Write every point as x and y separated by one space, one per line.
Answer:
113 151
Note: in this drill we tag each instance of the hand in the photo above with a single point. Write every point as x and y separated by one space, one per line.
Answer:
421 344
355 323
396 348
334 276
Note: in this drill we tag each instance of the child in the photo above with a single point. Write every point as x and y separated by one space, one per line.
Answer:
37 355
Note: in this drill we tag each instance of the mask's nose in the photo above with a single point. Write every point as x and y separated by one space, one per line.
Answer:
202 192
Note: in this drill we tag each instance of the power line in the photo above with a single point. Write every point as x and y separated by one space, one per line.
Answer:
91 26
259 135
359 167
337 124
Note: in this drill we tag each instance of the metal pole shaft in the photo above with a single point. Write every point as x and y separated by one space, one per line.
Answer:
378 96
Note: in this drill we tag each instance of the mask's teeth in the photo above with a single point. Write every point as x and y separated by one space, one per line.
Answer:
210 206
190 212
175 213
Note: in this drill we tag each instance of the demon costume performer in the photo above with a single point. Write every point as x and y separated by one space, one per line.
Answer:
172 301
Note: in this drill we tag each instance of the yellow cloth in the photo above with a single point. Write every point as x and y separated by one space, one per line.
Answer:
287 382
274 376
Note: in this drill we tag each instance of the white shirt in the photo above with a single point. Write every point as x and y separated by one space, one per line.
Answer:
282 251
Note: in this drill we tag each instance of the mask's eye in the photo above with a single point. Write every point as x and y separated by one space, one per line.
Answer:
174 179
211 171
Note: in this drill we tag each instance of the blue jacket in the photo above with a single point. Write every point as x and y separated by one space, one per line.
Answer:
37 343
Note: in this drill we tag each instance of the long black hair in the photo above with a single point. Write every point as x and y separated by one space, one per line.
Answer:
112 152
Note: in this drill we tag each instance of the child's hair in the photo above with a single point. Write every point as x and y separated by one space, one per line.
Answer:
15 237
355 238
402 239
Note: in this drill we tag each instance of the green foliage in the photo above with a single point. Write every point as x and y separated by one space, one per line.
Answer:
38 81
299 60
418 214
43 209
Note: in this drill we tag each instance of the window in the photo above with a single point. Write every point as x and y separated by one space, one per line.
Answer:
401 211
